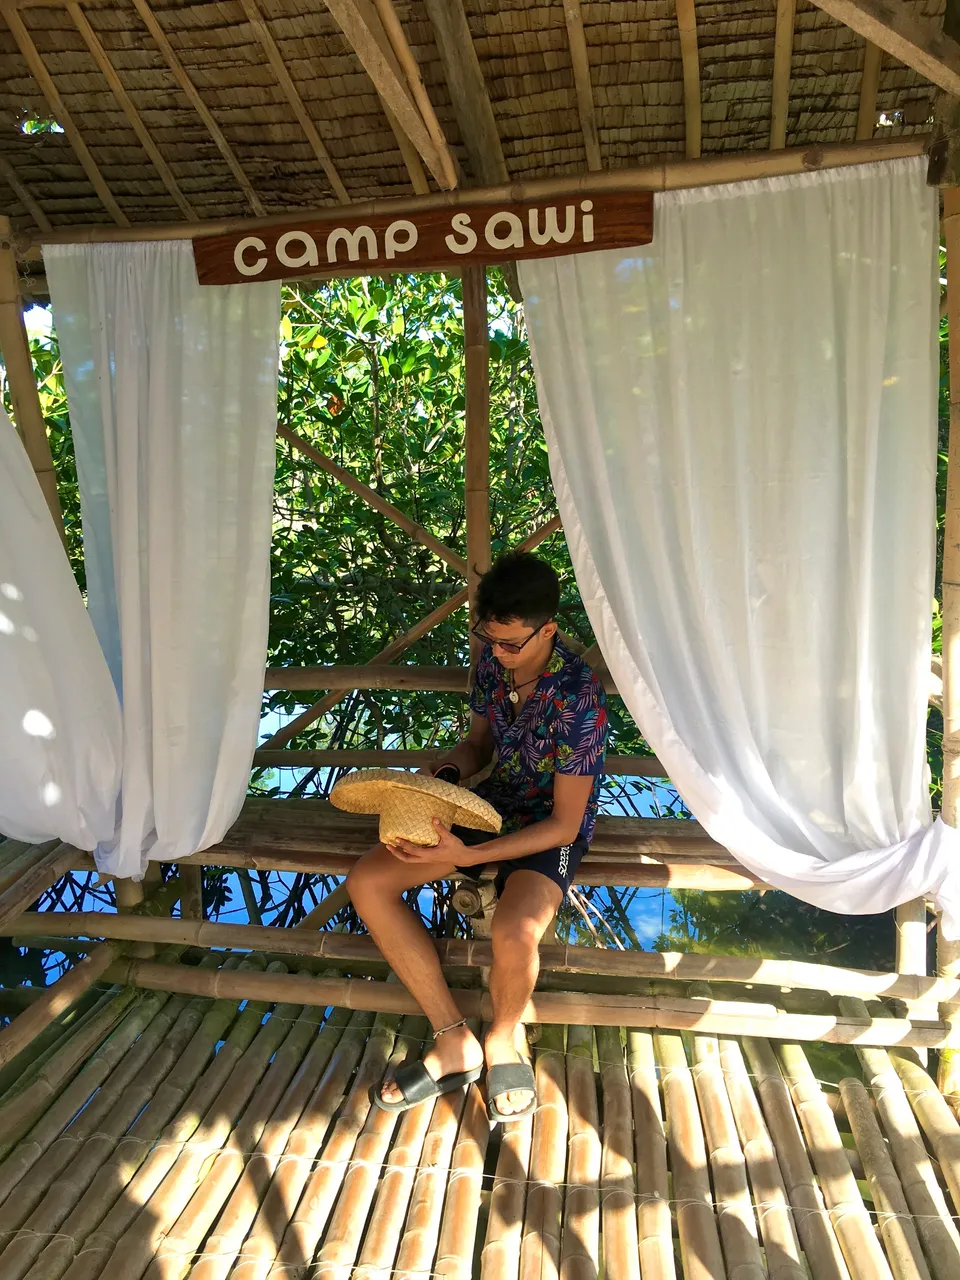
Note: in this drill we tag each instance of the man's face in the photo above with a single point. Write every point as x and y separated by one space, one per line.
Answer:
536 642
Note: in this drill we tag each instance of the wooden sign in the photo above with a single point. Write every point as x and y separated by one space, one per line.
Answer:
429 239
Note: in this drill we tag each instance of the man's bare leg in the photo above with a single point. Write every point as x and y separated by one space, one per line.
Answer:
375 886
526 907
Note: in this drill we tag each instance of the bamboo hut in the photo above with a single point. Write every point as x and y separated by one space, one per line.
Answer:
192 1098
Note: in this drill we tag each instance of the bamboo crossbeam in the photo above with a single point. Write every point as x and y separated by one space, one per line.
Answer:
666 175
540 1245
580 1246
340 948
782 58
476 349
690 65
46 871
711 1017
10 176
370 676
373 499
334 758
915 41
869 86
580 63
621 1250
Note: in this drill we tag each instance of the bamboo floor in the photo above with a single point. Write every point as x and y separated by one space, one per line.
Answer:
145 1134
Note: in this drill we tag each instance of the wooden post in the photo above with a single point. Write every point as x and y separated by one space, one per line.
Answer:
477 431
15 348
948 953
911 922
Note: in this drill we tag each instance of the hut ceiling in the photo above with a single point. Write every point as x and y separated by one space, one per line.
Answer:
198 87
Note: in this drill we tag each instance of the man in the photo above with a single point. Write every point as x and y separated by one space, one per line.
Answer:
543 711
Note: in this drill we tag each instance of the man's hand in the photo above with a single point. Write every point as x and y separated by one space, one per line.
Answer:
450 851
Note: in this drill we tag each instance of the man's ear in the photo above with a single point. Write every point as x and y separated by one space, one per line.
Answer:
549 630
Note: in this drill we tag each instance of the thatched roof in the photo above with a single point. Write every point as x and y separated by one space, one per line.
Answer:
523 47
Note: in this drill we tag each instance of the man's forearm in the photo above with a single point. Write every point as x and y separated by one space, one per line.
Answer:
548 834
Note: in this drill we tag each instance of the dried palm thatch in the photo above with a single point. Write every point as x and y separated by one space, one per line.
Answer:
172 110
171 1137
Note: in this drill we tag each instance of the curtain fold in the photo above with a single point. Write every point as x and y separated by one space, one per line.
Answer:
741 419
173 401
60 738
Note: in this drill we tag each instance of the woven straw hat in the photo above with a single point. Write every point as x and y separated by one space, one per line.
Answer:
408 802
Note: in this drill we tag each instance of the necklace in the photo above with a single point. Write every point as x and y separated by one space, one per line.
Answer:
514 696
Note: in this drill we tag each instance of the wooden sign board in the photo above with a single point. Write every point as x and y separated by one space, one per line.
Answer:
427 240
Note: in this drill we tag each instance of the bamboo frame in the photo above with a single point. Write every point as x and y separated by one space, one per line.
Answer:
476 345
580 1246
15 348
654 1228
621 1249
461 1208
373 499
580 62
149 20
9 175
377 675
63 117
782 58
540 1243
690 63
54 862
921 45
261 30
869 87
621 766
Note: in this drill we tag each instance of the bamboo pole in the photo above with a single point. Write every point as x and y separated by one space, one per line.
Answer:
191 892
621 1249
936 1119
15 1076
738 1227
461 1209
19 857
814 1226
233 1224
341 1240
670 175
941 1240
46 871
326 908
54 1184
382 1238
476 345
654 1227
897 1231
500 1257
948 953
699 1240
54 1000
144 1155
911 925
710 1017
307 1222
861 1249
471 953
259 1249
540 1245
21 381
334 757
138 1245
580 1246
780 1244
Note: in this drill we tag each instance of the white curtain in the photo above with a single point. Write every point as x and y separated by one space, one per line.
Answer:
173 402
59 717
741 418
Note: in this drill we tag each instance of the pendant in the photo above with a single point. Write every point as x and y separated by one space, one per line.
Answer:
514 697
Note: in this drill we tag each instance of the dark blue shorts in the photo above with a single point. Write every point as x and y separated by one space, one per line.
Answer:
559 864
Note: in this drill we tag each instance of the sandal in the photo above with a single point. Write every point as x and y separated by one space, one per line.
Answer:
416 1084
506 1079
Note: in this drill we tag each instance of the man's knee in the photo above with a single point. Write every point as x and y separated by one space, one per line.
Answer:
515 930
367 884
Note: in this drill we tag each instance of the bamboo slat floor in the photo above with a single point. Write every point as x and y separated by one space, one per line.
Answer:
163 1136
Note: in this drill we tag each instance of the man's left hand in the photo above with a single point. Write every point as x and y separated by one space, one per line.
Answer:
451 851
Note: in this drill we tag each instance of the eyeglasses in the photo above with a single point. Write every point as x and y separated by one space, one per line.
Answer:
506 645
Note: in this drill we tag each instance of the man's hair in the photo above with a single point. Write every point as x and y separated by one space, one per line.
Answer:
519 585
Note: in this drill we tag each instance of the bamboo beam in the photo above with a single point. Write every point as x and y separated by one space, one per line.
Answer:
191 893
690 62
378 675
411 72
15 348
948 953
476 433
193 96
9 176
99 54
46 871
580 61
63 117
334 758
354 21
869 86
654 1228
710 1017
263 34
373 499
54 1000
540 1244
580 1247
672 175
621 1248
894 28
782 58
342 949
396 647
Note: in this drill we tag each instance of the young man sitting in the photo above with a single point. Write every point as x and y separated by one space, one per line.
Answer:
543 711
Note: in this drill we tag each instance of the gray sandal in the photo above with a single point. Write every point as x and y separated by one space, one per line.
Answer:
506 1079
416 1084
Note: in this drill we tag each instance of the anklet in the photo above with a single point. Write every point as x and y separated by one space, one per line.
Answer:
452 1027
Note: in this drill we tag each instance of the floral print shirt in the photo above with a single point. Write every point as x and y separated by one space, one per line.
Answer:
561 728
